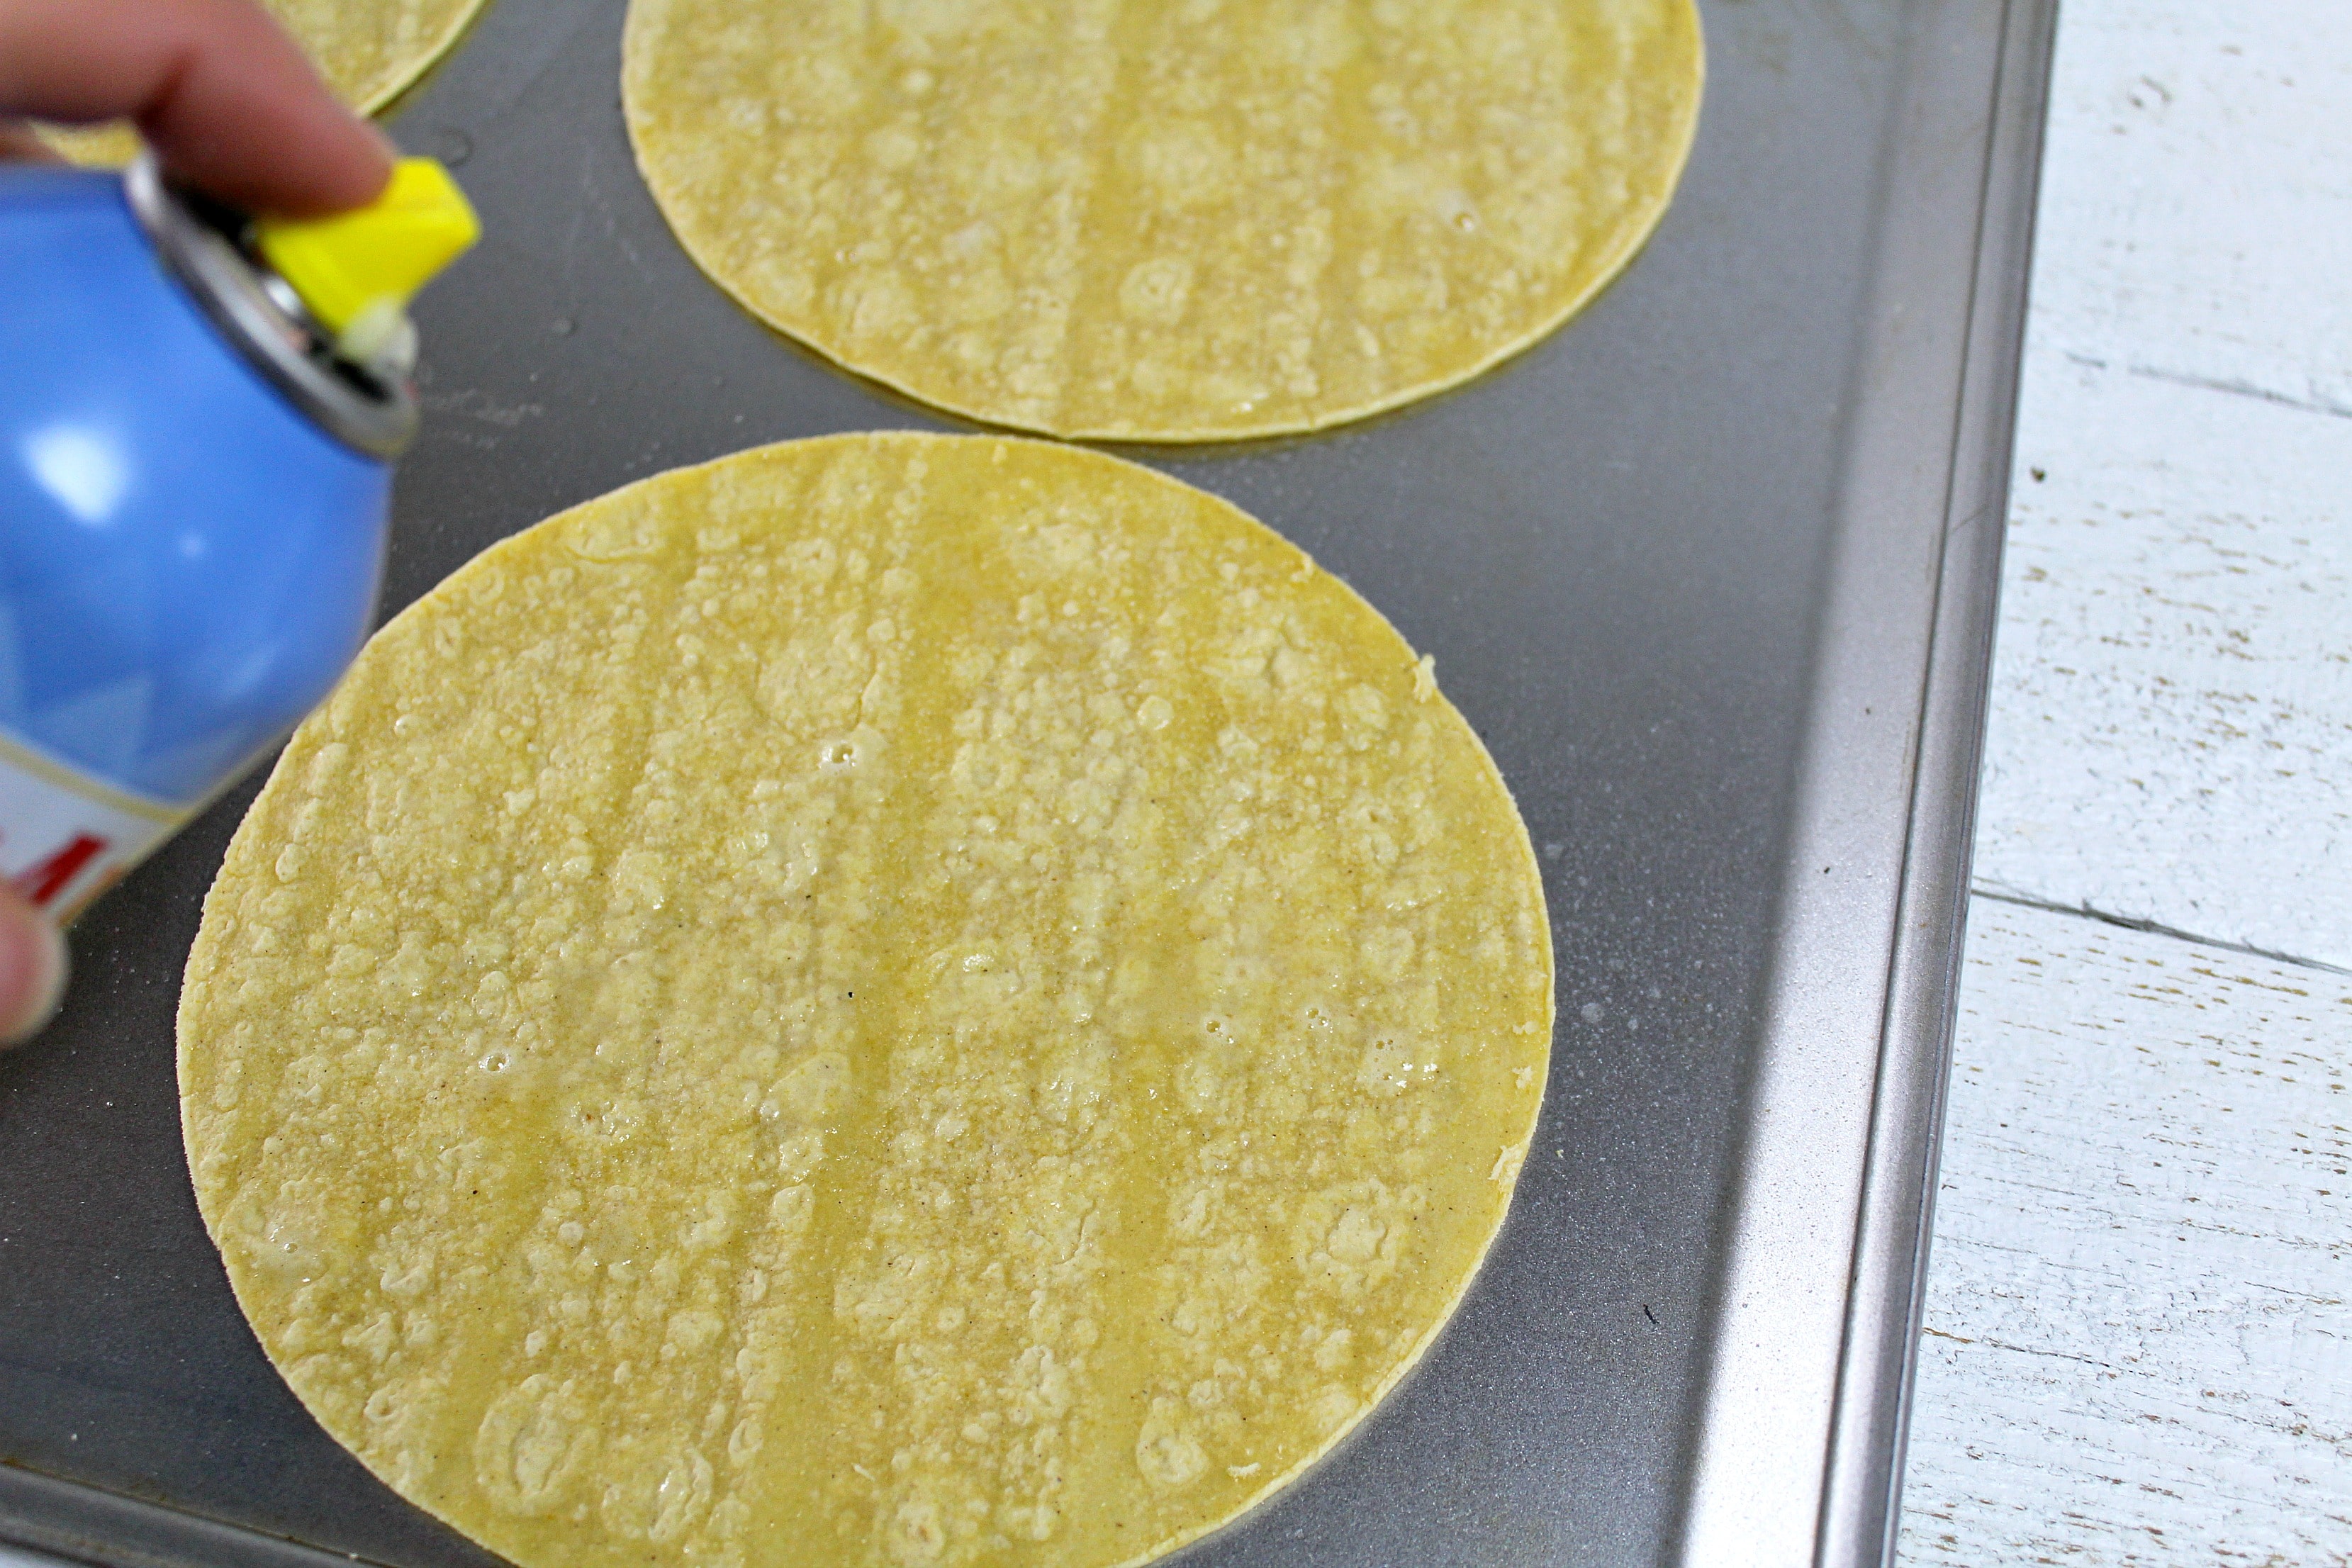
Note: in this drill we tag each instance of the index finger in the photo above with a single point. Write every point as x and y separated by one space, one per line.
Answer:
227 100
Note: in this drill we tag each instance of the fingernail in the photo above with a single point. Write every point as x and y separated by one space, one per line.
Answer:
33 971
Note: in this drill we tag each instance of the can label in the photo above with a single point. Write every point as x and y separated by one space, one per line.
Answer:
66 838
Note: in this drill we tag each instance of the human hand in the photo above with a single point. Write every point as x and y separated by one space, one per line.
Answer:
32 969
226 98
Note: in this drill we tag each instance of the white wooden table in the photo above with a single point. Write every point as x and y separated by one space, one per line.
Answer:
2138 1348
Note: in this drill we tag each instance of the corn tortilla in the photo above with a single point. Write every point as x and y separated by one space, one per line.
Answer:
885 1000
1182 222
369 51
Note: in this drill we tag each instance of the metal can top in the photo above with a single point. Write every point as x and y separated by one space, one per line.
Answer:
370 408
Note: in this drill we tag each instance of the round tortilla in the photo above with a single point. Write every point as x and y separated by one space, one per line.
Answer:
892 999
369 51
1183 222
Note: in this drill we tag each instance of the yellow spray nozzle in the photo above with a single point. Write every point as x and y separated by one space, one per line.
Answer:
368 262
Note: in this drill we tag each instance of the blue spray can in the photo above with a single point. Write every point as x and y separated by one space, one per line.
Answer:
198 417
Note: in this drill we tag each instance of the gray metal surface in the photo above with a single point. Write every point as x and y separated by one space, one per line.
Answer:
1799 1432
1659 559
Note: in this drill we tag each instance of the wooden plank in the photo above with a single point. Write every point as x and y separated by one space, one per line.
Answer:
2136 1346
2196 219
2171 728
2138 1349
2172 711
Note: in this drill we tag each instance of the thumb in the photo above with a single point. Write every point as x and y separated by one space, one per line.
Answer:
32 969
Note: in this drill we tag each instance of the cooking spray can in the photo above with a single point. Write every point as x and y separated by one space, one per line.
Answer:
198 418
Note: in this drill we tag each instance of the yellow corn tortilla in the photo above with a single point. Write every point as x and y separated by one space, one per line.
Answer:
893 999
369 51
1182 222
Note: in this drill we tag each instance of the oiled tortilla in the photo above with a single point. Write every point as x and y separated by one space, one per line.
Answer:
1187 221
892 999
369 51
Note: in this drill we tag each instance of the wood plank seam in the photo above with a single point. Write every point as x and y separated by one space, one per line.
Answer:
2235 387
2020 899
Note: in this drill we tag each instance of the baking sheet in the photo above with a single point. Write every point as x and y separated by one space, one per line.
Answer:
1626 549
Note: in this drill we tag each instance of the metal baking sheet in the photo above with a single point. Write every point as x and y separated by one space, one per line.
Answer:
1712 571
